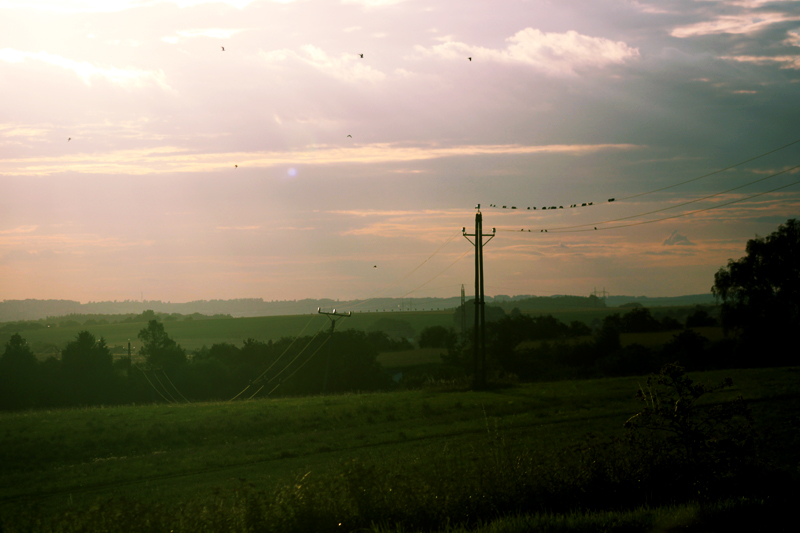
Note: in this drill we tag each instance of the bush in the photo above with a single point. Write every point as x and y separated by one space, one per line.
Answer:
690 448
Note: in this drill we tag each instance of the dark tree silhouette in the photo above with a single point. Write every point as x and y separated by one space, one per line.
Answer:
159 349
18 371
760 292
87 366
437 337
86 354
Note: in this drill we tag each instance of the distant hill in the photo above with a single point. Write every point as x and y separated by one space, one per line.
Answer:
647 301
14 310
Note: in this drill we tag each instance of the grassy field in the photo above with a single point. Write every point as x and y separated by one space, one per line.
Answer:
61 460
193 334
652 340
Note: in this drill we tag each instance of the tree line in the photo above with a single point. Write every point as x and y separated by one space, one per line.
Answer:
760 311
87 374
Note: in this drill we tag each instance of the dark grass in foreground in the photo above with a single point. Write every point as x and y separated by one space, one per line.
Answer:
496 479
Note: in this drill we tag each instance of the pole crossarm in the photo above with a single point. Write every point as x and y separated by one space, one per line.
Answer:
334 313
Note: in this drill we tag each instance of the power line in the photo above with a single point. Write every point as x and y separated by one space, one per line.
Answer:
561 229
296 356
155 375
174 387
713 173
151 384
652 191
437 275
276 360
299 367
687 213
407 275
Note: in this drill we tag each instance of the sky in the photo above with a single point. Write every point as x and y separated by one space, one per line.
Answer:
181 150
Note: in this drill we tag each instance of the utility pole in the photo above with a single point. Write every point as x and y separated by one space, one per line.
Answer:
330 339
480 314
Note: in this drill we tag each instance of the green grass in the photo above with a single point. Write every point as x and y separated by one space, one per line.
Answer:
729 515
67 459
193 334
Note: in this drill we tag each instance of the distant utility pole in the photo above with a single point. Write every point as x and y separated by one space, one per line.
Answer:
603 294
330 339
480 314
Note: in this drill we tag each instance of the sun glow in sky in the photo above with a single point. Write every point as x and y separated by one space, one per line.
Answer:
200 149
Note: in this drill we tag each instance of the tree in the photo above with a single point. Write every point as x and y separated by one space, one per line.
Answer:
437 337
87 365
159 349
760 292
18 373
639 320
393 327
86 355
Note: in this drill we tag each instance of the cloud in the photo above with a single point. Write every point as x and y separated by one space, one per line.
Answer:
676 239
792 62
735 24
111 6
374 3
19 229
215 33
12 130
347 67
171 159
129 77
552 53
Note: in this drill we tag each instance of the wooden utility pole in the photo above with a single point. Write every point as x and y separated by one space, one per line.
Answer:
333 327
479 363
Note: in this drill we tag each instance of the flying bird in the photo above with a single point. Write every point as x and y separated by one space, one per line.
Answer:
235 166
69 139
469 58
350 136
361 55
374 266
223 48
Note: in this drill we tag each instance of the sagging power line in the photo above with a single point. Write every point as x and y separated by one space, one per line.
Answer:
549 206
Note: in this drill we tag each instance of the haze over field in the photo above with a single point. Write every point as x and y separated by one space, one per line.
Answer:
139 158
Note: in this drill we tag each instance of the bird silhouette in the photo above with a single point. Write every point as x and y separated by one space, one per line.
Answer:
350 136
223 48
69 139
374 266
469 58
361 55
235 166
